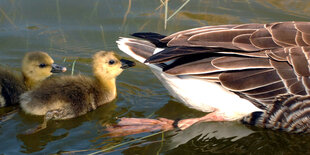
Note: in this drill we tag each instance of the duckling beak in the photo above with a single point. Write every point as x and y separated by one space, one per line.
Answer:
127 63
58 69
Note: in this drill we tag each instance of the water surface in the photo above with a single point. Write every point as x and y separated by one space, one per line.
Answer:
73 30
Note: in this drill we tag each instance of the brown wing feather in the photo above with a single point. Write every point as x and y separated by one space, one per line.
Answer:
299 40
298 88
284 33
306 38
222 38
306 82
249 26
270 94
248 79
239 63
266 89
262 39
279 54
299 61
197 30
243 42
303 27
194 67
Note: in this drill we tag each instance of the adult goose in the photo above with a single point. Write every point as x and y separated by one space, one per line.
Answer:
36 67
67 97
256 73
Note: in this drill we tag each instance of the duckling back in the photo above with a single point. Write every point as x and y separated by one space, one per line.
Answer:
11 87
75 94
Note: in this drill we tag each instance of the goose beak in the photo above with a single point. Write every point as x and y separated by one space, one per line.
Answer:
58 69
127 63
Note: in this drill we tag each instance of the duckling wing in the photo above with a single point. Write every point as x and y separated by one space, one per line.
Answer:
11 86
76 95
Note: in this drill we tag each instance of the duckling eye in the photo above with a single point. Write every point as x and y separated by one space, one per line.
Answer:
42 65
111 62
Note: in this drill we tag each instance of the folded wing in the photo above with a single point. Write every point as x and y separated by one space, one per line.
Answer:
257 61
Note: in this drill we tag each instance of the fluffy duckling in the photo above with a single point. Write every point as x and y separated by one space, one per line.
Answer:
36 66
71 96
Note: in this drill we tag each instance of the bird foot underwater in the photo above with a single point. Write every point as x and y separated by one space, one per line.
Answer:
51 114
130 126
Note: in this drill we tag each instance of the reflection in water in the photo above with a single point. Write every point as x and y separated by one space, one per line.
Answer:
260 142
205 131
225 138
62 129
37 141
215 137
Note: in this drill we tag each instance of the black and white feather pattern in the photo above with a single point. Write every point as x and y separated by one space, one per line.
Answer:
289 113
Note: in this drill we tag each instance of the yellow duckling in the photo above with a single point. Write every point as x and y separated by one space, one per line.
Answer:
36 66
71 96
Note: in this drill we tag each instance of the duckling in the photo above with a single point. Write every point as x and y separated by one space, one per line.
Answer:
36 66
67 97
232 72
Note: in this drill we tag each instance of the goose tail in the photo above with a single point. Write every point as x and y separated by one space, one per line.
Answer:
137 49
140 50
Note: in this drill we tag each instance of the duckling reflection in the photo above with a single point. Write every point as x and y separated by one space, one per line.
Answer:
71 96
60 130
36 66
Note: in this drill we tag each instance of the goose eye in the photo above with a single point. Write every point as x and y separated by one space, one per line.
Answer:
42 65
111 62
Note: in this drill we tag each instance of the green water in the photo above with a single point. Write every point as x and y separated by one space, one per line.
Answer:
72 30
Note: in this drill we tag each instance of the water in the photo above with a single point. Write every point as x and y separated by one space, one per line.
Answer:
73 30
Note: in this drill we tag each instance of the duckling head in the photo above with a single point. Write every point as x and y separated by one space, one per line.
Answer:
37 66
107 66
